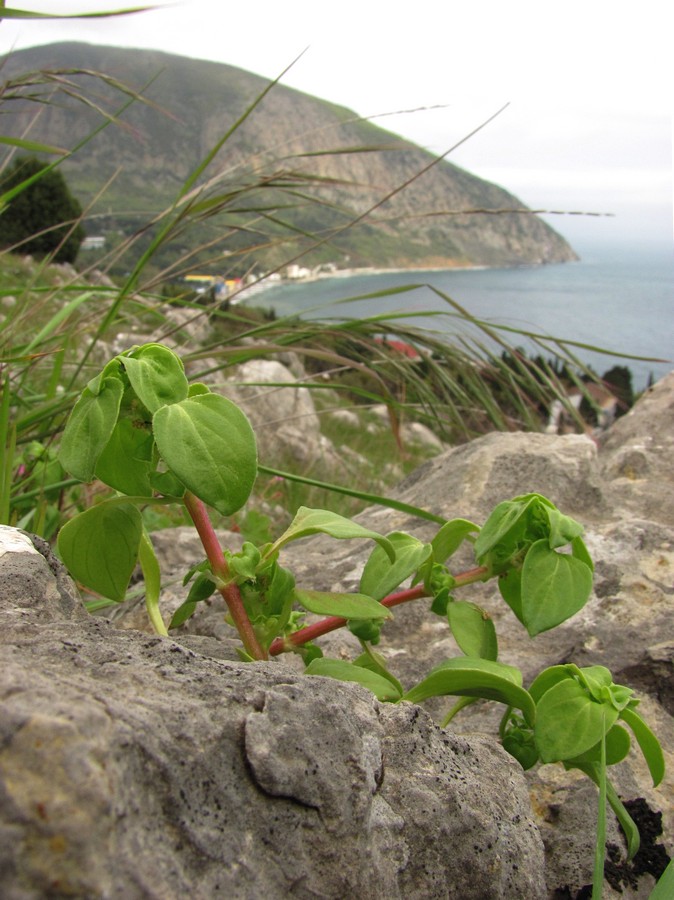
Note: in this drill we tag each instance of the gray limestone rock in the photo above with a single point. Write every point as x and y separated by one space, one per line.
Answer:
626 625
637 453
279 414
134 767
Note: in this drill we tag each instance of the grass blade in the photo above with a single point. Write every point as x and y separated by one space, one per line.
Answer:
360 495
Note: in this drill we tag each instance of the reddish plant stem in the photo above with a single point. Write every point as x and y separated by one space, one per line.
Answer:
230 592
470 576
332 623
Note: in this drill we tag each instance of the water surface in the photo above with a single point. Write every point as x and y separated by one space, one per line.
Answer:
620 299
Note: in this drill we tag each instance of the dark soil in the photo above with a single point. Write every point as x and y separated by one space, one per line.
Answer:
651 859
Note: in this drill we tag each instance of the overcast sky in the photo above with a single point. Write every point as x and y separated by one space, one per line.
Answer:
589 84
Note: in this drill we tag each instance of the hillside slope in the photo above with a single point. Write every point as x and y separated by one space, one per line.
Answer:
151 151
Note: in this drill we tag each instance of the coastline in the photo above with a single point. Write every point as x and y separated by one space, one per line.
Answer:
618 302
267 282
372 270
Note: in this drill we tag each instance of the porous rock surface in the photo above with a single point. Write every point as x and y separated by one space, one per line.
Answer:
134 767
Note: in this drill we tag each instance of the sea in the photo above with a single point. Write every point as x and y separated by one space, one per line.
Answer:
619 299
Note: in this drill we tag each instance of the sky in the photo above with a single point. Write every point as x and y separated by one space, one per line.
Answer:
587 86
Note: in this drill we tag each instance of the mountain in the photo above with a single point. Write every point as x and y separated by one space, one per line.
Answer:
320 164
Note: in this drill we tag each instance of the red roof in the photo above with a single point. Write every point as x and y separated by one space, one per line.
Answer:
407 350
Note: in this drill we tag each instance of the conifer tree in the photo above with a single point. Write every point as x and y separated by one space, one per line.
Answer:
43 218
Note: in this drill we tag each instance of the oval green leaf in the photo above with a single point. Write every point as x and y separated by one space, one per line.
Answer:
473 630
100 547
555 586
89 428
569 722
157 375
381 575
348 606
208 444
510 587
450 537
547 679
507 523
341 670
483 678
126 461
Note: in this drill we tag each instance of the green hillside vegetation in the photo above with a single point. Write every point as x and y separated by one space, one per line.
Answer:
57 322
296 164
44 217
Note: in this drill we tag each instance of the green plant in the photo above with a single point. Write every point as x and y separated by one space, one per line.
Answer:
163 444
8 13
43 218
143 430
665 886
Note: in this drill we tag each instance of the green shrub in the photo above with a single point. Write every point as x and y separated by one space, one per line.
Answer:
44 218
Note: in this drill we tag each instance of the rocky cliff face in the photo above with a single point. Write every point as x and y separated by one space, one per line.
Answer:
193 103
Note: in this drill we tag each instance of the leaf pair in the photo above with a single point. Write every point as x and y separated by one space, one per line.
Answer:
140 428
526 518
384 572
141 410
472 628
577 708
577 713
356 608
520 542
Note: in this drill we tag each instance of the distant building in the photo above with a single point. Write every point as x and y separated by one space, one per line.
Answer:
603 401
295 272
93 242
222 287
408 350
